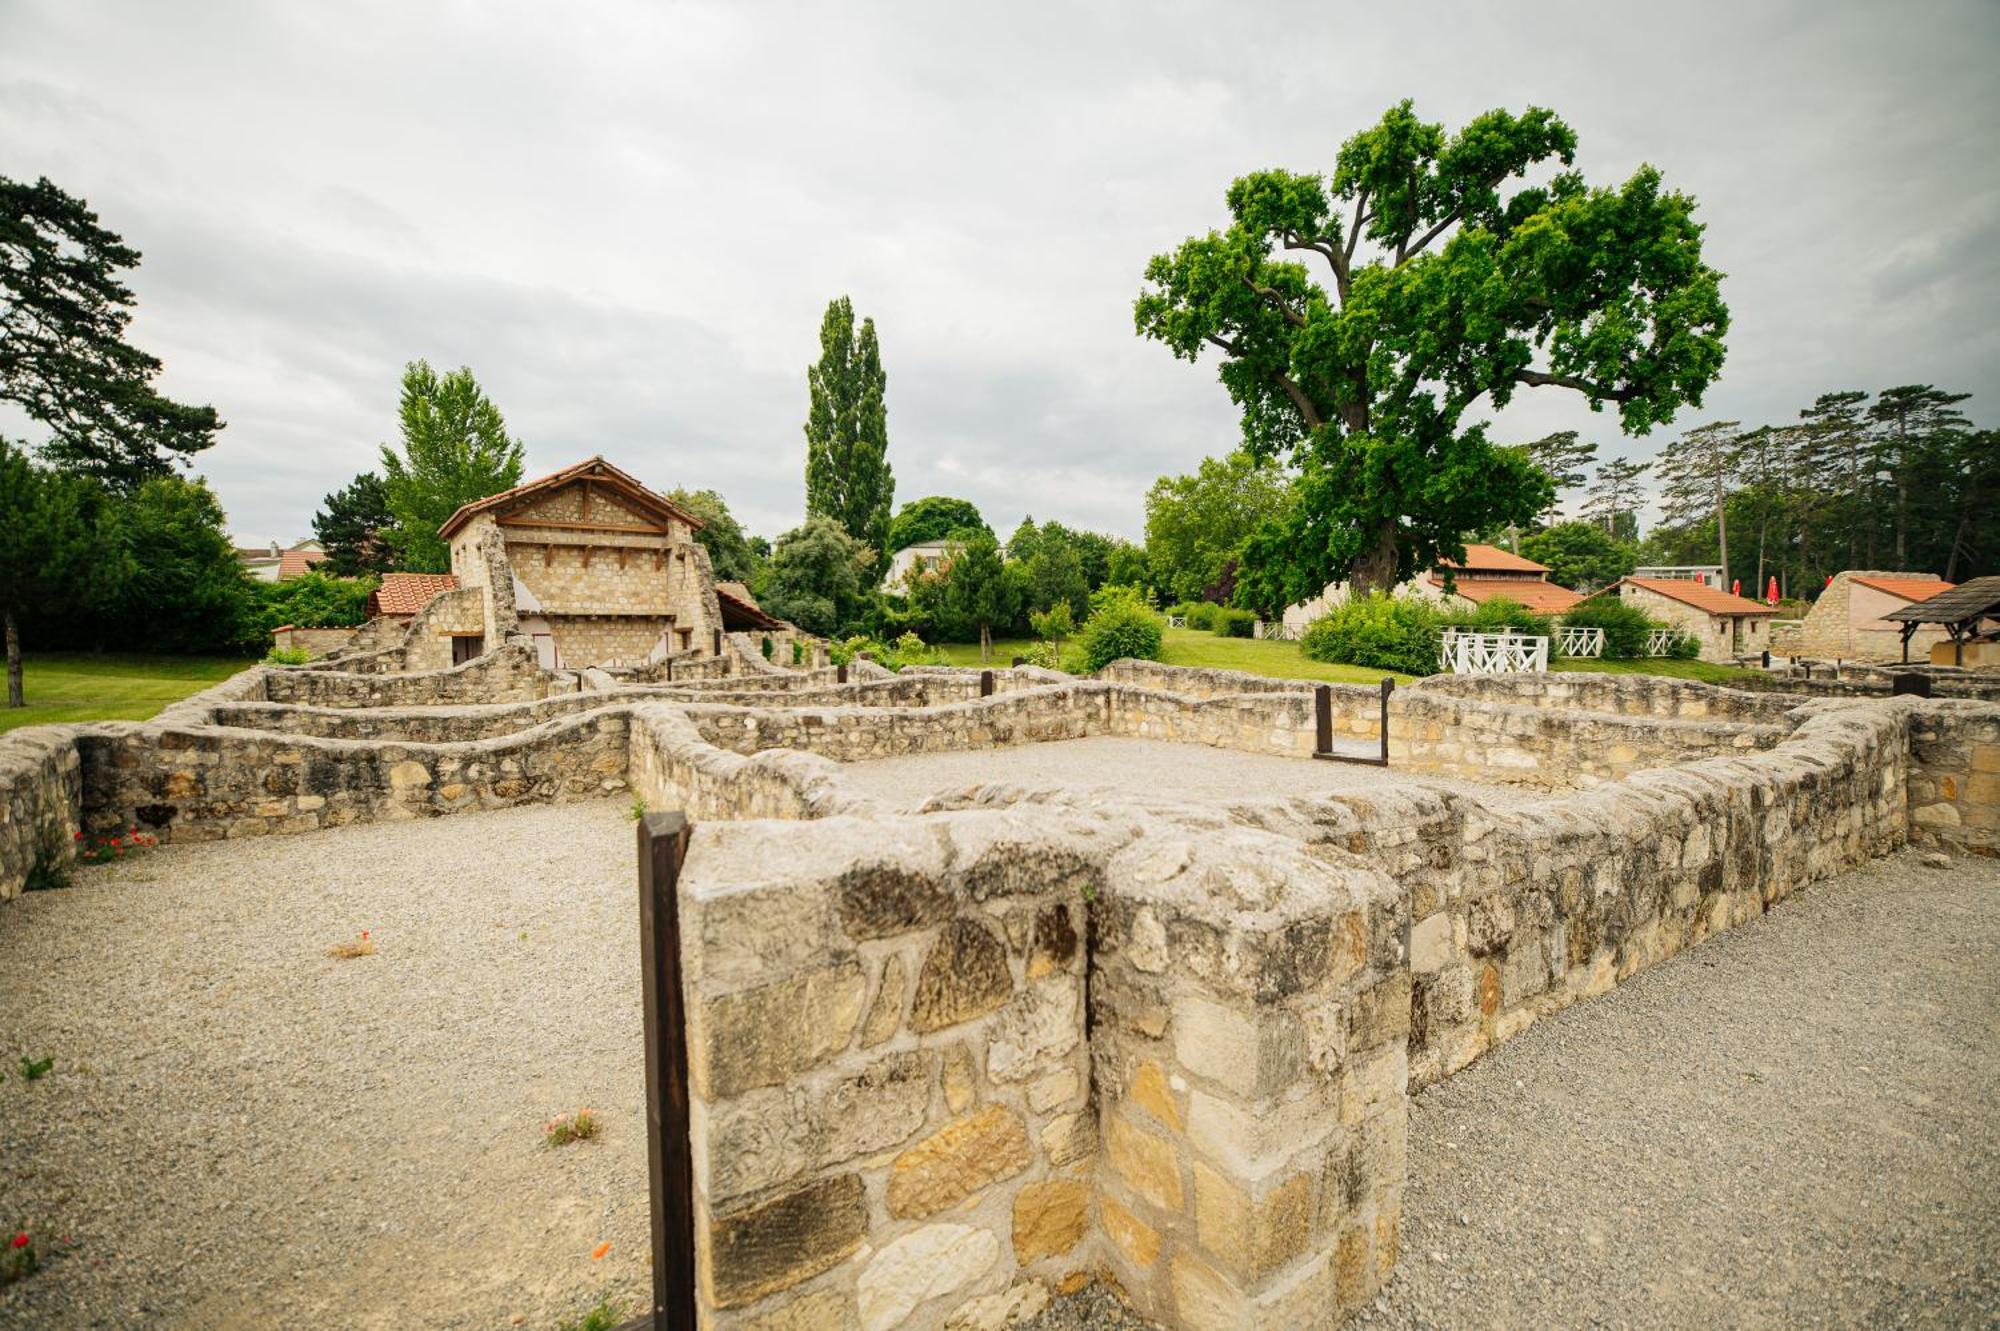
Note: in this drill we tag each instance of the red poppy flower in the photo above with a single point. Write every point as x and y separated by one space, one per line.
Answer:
20 1241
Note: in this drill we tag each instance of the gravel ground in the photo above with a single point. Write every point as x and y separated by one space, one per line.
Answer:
1183 772
1796 1123
240 1131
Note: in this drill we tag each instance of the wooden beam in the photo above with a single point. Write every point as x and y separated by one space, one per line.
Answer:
586 554
659 560
548 554
586 501
622 528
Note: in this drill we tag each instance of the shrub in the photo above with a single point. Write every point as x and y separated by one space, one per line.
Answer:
1625 626
911 650
1381 632
1229 622
287 656
798 652
1121 624
1498 615
768 647
1202 615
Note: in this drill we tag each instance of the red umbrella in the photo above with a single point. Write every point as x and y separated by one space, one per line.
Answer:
1736 586
1771 592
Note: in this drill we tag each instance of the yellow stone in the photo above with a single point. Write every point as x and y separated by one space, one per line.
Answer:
957 1161
1135 1238
408 775
1148 1164
1150 1093
1258 1237
960 1079
1350 1267
1049 1218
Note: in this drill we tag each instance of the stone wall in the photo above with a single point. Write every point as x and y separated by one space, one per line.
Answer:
1954 780
505 674
319 642
427 645
41 803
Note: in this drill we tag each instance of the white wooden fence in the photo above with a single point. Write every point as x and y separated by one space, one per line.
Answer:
1579 641
1492 653
1660 642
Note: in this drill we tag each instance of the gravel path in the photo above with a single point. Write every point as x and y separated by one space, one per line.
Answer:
242 1132
1796 1123
1183 772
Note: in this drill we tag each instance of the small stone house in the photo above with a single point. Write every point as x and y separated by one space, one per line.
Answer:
1487 573
1725 625
1846 621
601 571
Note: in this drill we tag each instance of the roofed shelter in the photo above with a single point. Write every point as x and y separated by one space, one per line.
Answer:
1963 612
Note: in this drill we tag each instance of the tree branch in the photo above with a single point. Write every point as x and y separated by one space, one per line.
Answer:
1538 379
1276 300
1335 258
1300 402
1354 232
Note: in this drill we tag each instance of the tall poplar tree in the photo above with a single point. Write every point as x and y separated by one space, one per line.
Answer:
455 449
848 477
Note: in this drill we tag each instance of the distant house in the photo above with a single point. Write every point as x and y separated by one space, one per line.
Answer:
402 595
1710 574
1846 621
918 558
1725 626
271 562
1487 573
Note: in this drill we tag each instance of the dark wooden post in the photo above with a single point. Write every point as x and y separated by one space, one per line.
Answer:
1020 661
718 642
840 673
1388 687
663 839
1323 719
670 670
986 683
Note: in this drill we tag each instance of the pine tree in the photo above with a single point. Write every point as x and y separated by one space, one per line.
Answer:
1696 473
848 477
1829 452
1613 499
1566 460
353 525
1909 421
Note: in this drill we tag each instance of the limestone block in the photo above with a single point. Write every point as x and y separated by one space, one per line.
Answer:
885 1014
992 1312
956 1161
921 1265
1150 1092
792 1238
767 1035
875 1109
1049 1219
1137 1241
1251 1052
821 1310
1148 1164
1054 942
1253 1236
964 976
1069 1139
1043 1021
961 1078
1053 1090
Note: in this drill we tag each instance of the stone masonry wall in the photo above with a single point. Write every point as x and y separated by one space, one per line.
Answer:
504 674
1954 781
41 803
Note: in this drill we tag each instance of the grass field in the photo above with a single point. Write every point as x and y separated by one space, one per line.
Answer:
1705 671
84 687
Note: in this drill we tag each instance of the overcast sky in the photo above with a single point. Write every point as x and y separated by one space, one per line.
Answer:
628 218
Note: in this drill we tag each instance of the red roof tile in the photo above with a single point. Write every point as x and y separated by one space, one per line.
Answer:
1700 595
1918 587
1491 558
407 593
294 562
1544 598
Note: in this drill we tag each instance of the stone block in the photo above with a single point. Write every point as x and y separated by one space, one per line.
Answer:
821 1310
1149 1091
767 1035
964 976
1253 1233
1049 1219
1043 1021
1431 943
956 1161
1136 1240
885 1014
875 1109
1250 1052
924 1264
993 1312
1147 1164
1070 1139
1054 942
789 1239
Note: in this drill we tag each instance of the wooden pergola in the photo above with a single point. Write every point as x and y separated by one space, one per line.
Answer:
1960 611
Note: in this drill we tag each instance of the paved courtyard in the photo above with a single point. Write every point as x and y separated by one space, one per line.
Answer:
1793 1123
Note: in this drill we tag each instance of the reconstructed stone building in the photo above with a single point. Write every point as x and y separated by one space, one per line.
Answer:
603 571
1725 625
1846 620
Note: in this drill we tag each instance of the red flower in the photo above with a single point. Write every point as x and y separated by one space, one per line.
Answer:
20 1241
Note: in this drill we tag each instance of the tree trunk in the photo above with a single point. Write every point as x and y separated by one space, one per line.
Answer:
1375 570
1721 527
15 698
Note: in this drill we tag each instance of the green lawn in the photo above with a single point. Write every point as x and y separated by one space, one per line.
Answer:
84 687
1193 647
1705 671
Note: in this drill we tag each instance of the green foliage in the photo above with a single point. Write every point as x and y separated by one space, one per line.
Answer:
604 1315
314 600
1055 577
174 583
354 524
981 589
1363 380
1580 554
933 518
1625 626
1196 524
1053 625
848 477
287 656
1498 615
909 650
1201 615
48 548
729 548
34 1069
1382 632
820 578
1233 623
1121 624
64 360
455 449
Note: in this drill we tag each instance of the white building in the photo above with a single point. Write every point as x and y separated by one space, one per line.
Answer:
915 559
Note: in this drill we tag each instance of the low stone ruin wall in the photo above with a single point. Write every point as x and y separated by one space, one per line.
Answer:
1954 781
506 674
41 804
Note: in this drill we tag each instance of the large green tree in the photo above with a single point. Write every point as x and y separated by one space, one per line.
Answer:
1913 424
455 449
932 518
1697 474
848 477
820 578
1613 499
1443 282
180 587
984 590
729 548
64 357
1196 524
1581 555
353 525
48 542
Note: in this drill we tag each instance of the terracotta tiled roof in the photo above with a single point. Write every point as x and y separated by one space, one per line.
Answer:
1917 587
1700 595
407 593
1544 598
1492 559
294 562
592 468
743 613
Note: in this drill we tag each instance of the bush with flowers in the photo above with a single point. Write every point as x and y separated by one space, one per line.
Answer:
19 1257
104 847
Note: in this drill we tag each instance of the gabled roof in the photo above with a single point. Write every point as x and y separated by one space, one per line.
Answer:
1910 587
407 593
1491 558
1544 598
1972 599
1712 600
590 469
741 613
294 562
